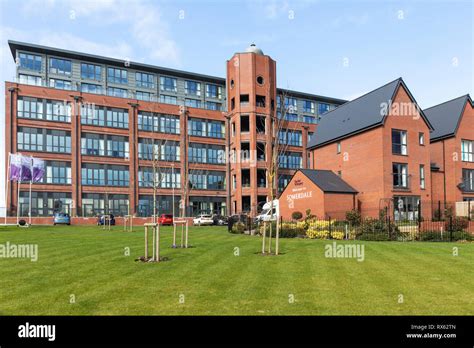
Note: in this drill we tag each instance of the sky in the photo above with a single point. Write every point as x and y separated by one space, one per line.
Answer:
340 49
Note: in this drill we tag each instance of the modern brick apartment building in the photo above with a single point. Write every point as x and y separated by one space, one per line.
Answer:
452 150
99 122
379 145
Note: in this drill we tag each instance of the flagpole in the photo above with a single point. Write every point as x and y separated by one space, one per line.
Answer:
31 182
18 203
7 176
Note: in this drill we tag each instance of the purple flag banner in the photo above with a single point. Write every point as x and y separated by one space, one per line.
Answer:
15 167
38 169
26 174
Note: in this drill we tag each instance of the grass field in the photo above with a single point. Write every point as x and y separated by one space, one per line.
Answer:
90 264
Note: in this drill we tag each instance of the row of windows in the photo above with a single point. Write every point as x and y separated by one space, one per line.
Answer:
164 177
100 145
291 160
206 128
206 180
51 110
149 149
104 175
291 106
100 116
45 140
205 153
158 123
290 137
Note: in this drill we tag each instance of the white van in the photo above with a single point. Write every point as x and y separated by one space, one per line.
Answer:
267 214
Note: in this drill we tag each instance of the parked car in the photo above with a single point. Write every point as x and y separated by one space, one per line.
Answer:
61 218
165 219
203 219
220 220
101 219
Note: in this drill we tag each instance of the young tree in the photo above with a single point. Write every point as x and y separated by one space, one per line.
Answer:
280 128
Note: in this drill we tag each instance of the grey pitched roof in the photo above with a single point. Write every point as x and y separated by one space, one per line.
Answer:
358 115
328 181
446 116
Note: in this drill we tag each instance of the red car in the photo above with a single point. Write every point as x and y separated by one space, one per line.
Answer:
165 219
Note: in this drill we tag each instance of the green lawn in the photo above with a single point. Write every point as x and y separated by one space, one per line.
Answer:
90 264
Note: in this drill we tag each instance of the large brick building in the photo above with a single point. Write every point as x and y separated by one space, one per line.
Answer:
452 150
99 123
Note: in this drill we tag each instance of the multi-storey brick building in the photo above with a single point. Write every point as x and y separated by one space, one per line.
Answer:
99 122
378 144
452 150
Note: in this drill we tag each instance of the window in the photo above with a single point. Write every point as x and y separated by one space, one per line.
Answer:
213 106
30 108
400 175
91 88
30 61
145 96
291 105
323 108
168 84
57 173
244 99
213 91
216 181
197 127
291 117
30 139
45 203
468 180
167 99
308 106
197 153
406 207
421 138
60 66
309 119
169 151
422 176
158 123
290 160
117 118
58 141
192 88
169 124
60 84
91 71
118 176
93 174
215 129
93 204
92 144
116 75
292 138
193 103
338 147
117 204
310 136
399 142
165 177
92 115
260 100
59 111
117 146
117 92
467 150
260 80
216 154
144 80
31 80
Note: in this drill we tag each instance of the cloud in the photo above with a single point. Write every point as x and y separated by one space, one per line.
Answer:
140 21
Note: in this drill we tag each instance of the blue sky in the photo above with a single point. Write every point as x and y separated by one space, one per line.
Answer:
334 48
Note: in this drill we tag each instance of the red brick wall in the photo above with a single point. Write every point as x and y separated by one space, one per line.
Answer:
301 184
337 204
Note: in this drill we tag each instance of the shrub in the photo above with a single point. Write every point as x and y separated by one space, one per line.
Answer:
315 234
287 229
320 224
309 216
353 217
456 224
435 236
238 228
377 229
296 215
337 235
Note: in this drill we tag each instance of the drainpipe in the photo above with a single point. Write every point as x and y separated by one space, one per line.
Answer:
229 208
